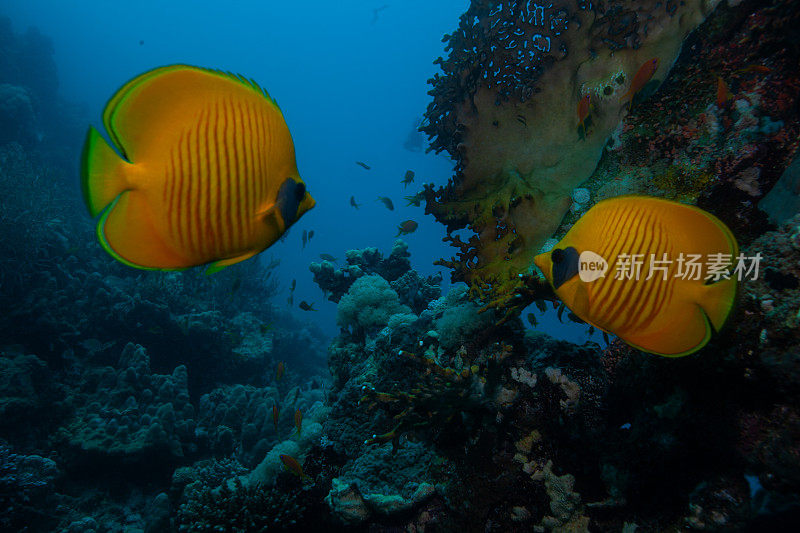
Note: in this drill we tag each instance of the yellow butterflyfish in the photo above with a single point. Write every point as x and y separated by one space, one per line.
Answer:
202 171
654 272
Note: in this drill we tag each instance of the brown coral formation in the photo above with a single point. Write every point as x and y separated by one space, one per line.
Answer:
505 109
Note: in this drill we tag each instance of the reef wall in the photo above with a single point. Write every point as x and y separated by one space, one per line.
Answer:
505 107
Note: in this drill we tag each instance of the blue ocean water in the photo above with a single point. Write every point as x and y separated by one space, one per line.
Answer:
350 79
151 401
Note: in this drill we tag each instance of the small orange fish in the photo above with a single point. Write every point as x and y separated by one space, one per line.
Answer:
279 371
385 397
291 465
275 415
409 226
758 69
392 436
583 111
643 75
722 93
298 420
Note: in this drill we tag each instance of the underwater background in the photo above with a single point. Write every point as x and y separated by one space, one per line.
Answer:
395 362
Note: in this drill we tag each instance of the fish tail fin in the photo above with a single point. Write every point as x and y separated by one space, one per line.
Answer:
718 300
102 173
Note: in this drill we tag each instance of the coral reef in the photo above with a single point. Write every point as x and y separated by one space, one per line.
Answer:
547 435
368 304
505 110
783 201
27 484
684 145
383 482
241 509
148 401
114 379
17 118
335 282
31 110
130 413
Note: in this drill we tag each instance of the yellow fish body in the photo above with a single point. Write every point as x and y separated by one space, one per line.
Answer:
671 313
207 173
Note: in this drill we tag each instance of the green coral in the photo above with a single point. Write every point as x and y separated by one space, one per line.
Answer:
460 320
368 305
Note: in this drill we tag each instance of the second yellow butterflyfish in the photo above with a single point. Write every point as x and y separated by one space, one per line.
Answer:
656 273
204 171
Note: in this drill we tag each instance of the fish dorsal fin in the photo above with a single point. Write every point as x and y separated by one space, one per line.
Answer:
249 83
134 115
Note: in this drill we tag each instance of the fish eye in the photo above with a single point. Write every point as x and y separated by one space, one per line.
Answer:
300 191
557 256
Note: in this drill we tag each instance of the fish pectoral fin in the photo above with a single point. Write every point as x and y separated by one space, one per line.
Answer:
216 266
271 216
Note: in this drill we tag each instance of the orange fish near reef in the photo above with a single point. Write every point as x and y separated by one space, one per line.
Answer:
279 371
298 420
583 112
722 93
643 286
291 465
275 416
643 75
202 171
758 69
392 436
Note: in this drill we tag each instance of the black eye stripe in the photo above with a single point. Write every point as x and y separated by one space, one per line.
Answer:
565 265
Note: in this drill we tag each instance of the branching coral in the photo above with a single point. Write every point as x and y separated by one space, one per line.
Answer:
241 508
505 109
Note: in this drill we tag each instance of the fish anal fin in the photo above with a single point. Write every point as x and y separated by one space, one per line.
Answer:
660 339
127 232
216 266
